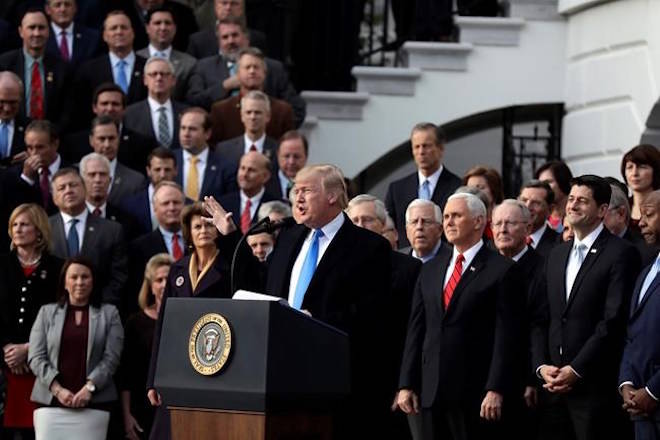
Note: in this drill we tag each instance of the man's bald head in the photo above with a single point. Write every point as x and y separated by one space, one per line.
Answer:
649 221
11 92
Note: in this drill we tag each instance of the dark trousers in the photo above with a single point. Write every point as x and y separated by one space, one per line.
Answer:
646 428
459 424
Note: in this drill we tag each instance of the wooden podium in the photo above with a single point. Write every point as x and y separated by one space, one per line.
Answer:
284 375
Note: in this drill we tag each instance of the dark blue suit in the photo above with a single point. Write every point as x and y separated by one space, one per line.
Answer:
86 45
219 176
138 205
640 363
232 203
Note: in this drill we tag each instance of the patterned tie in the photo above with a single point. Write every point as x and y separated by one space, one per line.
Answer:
246 217
64 46
122 82
72 242
96 212
192 185
36 94
44 187
4 139
453 280
425 192
177 252
307 271
164 138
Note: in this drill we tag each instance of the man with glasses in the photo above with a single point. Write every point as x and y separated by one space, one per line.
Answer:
12 125
423 229
157 116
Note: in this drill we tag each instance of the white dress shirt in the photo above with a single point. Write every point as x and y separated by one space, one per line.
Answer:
468 256
80 226
433 180
254 200
154 107
284 183
329 232
573 265
153 52
536 235
259 143
101 208
519 255
201 167
167 238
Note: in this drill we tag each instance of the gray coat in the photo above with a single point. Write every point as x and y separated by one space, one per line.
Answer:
104 344
183 66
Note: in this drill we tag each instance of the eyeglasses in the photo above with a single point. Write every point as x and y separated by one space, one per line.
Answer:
155 74
505 224
425 221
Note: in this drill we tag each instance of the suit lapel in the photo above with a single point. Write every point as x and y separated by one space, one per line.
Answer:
560 273
442 263
468 276
333 255
295 243
91 235
93 322
592 255
210 172
59 236
211 277
637 306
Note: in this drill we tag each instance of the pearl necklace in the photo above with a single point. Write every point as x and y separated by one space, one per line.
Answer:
29 263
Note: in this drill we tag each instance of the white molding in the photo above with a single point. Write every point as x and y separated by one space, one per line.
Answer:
436 56
335 105
542 10
386 80
489 31
568 7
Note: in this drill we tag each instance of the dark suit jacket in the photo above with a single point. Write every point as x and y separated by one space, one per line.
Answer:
18 140
125 219
104 244
549 240
97 71
232 150
34 190
138 205
401 192
124 183
138 119
587 331
454 356
227 124
219 176
204 43
140 251
646 251
205 85
56 84
232 203
639 363
14 192
86 45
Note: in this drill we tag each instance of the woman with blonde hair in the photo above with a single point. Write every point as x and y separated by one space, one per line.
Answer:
28 280
137 412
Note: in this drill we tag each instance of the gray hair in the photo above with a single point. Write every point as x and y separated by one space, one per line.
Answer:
169 184
257 95
474 204
93 156
8 75
526 215
274 206
389 223
381 212
475 192
154 59
437 211
619 199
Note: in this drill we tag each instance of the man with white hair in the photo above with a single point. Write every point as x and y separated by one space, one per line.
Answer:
12 124
462 356
423 229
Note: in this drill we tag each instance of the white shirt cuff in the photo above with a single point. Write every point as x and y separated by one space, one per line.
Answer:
576 373
27 179
651 394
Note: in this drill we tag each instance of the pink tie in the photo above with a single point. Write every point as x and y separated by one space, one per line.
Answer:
64 47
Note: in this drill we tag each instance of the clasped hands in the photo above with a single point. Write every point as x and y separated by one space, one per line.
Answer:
558 380
637 401
15 356
491 407
68 399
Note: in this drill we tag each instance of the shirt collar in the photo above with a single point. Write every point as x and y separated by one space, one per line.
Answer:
155 105
254 199
201 156
536 235
101 208
167 234
153 51
259 143
520 254
29 59
113 168
53 167
129 59
433 178
431 254
82 217
469 254
58 30
332 227
589 240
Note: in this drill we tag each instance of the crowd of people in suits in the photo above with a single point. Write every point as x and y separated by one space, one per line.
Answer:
130 177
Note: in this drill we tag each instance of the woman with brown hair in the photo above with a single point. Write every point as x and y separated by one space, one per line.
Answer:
139 334
640 168
28 280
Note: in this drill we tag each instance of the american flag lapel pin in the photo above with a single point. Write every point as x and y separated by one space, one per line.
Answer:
593 251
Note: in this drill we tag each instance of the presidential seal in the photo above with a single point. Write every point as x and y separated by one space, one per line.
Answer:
209 345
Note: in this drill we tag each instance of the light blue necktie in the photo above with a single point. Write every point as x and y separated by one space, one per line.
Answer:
122 82
72 242
649 279
424 191
233 68
4 140
307 272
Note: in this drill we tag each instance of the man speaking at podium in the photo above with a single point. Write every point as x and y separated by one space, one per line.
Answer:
338 273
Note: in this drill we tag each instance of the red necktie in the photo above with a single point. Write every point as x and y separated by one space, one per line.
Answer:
44 187
64 47
253 148
453 280
246 217
177 252
36 94
96 212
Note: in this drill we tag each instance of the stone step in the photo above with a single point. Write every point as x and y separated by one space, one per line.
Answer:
490 31
335 105
436 56
540 10
398 81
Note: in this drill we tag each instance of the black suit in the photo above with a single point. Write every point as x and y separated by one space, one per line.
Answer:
549 240
204 43
104 244
125 182
646 252
401 192
140 251
219 176
138 119
452 357
55 85
586 332
86 45
232 203
233 149
350 299
98 71
17 144
125 219
13 193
